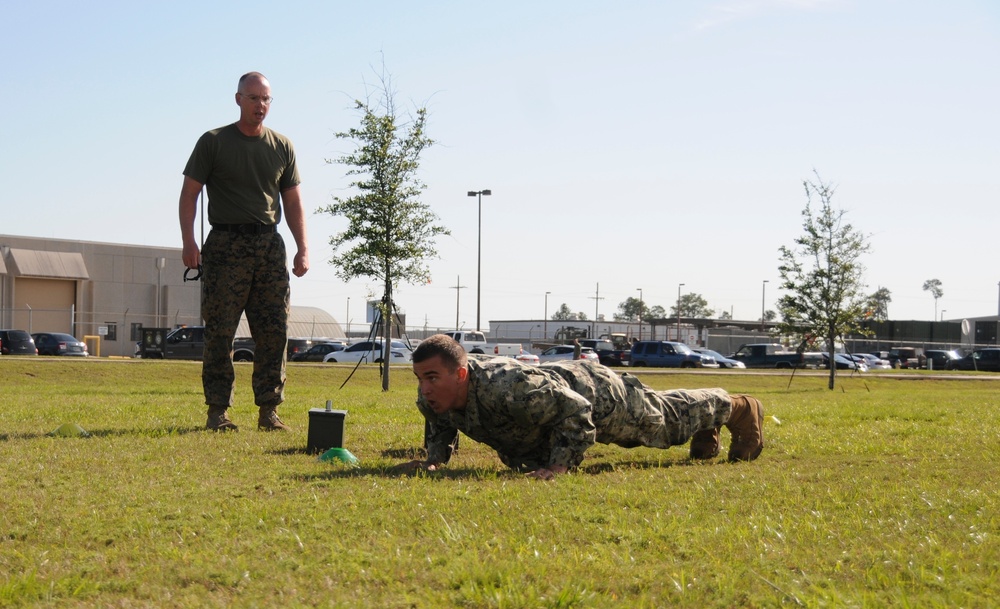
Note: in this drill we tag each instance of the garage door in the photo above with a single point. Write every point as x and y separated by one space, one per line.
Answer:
44 305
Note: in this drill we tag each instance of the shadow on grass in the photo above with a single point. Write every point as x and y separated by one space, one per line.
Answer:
162 432
446 473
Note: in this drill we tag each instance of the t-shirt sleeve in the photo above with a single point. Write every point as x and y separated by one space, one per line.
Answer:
290 176
199 165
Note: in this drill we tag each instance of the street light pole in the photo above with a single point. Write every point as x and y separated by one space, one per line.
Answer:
640 313
479 252
679 286
763 291
348 318
546 330
943 311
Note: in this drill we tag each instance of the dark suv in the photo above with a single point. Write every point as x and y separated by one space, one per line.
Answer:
941 359
668 354
17 342
987 359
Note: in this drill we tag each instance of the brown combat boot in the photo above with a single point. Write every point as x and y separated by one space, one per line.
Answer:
218 421
268 420
705 444
746 423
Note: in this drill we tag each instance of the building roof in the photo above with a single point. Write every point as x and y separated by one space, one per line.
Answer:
304 322
57 265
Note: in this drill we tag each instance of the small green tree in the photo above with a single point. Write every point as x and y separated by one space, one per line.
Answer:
390 233
823 275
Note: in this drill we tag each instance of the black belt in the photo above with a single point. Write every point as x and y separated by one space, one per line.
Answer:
247 229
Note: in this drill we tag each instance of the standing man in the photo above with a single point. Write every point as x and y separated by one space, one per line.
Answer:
251 175
543 418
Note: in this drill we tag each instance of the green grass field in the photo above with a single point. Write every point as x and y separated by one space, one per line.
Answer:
881 493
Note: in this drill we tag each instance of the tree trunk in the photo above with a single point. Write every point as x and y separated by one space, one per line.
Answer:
386 333
832 352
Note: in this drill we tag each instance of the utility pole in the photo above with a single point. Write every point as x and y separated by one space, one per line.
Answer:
458 291
597 303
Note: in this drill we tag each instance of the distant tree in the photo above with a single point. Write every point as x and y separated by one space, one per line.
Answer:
770 315
725 315
565 314
877 308
823 275
390 233
934 287
656 312
630 309
692 305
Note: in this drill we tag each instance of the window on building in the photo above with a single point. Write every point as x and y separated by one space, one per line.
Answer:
136 331
112 330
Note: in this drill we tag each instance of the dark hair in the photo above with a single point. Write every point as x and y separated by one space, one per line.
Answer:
447 348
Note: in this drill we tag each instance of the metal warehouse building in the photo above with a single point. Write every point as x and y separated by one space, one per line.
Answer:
106 292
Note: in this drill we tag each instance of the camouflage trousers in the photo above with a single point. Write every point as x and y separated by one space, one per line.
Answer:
661 419
244 274
628 413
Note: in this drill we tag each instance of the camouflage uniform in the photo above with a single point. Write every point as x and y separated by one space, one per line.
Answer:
244 273
539 416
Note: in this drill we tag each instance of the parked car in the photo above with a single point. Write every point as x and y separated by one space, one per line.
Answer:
859 360
907 357
57 343
987 359
560 352
318 353
844 362
527 358
669 354
370 351
940 359
724 362
875 362
296 345
17 342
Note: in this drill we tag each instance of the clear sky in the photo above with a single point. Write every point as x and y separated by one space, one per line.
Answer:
628 145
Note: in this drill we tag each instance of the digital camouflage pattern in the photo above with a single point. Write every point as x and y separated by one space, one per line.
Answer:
539 416
244 273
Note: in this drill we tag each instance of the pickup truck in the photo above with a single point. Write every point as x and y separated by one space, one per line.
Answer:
472 342
508 349
765 355
188 342
606 351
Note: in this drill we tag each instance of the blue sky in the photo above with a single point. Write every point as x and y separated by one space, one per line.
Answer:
628 145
